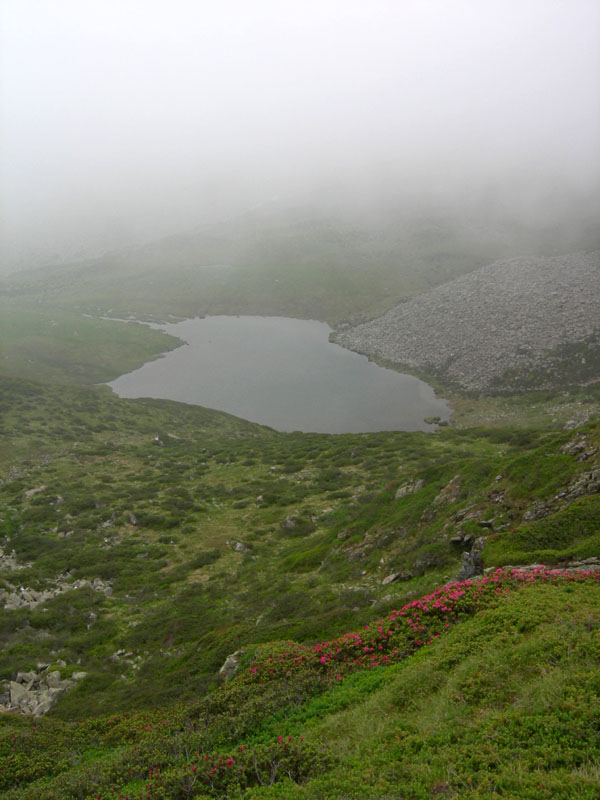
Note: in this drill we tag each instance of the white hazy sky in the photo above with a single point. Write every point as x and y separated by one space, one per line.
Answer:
126 118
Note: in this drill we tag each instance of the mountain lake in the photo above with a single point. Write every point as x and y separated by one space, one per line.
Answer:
284 373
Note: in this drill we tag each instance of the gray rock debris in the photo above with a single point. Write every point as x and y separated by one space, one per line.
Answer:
23 597
35 692
505 316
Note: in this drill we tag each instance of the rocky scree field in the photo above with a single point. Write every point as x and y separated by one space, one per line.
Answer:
523 323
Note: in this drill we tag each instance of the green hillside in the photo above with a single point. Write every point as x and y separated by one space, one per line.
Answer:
209 535
501 699
145 544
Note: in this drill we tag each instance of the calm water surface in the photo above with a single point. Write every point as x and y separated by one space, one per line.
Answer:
283 373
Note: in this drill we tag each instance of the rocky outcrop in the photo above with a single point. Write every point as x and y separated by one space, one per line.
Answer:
35 692
508 317
586 483
472 562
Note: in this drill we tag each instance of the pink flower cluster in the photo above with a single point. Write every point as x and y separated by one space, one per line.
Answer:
416 624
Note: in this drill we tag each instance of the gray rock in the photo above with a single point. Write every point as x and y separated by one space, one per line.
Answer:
19 694
396 576
13 601
472 562
409 488
26 677
231 665
52 679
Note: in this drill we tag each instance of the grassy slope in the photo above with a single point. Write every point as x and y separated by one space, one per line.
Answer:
154 496
57 346
306 266
504 703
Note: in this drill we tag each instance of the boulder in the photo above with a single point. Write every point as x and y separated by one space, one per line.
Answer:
52 679
19 694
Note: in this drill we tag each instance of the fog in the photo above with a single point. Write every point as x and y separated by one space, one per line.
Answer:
126 120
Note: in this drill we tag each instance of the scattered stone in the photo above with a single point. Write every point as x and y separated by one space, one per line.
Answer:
396 576
25 597
31 492
579 447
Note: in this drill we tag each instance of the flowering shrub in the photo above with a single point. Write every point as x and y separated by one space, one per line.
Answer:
415 625
189 750
226 775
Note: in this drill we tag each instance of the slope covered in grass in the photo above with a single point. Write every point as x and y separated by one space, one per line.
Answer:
209 534
504 702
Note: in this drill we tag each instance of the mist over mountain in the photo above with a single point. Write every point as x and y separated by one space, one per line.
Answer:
125 122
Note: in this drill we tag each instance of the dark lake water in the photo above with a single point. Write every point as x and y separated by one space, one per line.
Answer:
283 373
